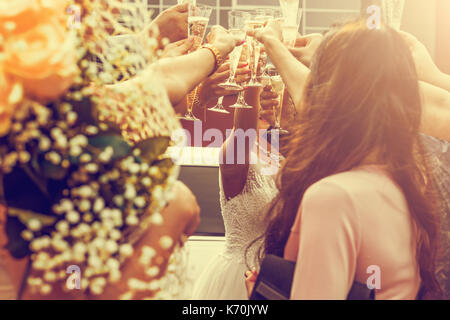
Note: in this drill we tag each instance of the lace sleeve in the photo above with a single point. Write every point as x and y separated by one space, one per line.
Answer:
439 152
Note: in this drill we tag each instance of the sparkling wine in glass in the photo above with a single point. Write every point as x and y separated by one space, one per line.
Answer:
234 58
240 102
197 29
278 87
289 9
198 20
290 24
289 34
254 49
236 23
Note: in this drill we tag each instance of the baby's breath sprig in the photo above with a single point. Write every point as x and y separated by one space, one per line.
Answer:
85 176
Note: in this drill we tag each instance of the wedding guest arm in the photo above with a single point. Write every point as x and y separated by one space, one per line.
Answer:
181 218
305 47
210 90
172 23
293 72
180 75
210 87
235 154
436 111
426 67
178 48
269 100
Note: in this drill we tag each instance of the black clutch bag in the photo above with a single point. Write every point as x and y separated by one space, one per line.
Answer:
275 282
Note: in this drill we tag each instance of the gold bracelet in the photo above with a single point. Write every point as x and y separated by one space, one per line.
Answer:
193 98
218 58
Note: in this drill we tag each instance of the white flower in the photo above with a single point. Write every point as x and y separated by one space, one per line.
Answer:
73 217
34 225
152 272
126 250
130 191
166 242
99 205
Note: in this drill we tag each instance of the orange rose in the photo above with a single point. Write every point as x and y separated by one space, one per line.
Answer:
43 59
20 15
11 93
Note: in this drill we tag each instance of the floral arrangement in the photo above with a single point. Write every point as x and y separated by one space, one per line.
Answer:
79 185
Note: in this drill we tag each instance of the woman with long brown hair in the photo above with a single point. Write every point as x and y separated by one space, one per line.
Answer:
355 192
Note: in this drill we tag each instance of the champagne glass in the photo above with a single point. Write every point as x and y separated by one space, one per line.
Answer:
278 87
289 9
236 22
198 19
292 17
240 102
266 15
219 107
393 12
254 48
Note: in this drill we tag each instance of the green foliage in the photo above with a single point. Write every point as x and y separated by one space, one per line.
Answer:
152 149
121 148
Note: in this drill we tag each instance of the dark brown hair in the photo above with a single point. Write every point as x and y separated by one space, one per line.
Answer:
362 98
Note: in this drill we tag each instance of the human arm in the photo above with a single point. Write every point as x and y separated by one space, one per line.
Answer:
210 87
306 47
293 72
180 218
180 75
426 68
436 111
178 48
172 23
269 100
328 243
235 154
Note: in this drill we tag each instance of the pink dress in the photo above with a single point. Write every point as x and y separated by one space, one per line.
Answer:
354 226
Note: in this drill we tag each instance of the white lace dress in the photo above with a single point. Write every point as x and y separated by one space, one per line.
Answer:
243 215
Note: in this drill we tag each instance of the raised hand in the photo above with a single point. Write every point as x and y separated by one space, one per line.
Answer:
272 31
268 100
426 68
173 23
306 47
211 89
178 48
250 280
223 40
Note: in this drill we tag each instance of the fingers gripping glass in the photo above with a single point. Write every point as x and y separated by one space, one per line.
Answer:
240 102
198 20
254 23
236 22
278 87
